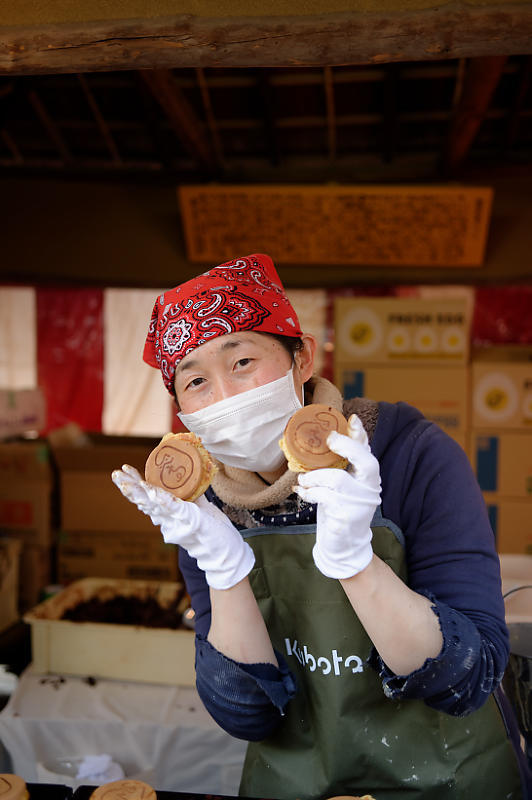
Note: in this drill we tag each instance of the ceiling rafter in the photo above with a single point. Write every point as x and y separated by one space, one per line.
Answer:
517 105
331 111
209 115
480 82
100 121
183 119
50 126
215 124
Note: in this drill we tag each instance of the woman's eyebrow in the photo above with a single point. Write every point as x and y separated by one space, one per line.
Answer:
194 363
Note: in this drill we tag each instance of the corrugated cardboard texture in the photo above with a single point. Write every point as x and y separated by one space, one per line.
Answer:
89 499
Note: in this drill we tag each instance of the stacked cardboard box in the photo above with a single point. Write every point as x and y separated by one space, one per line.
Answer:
25 512
501 442
410 349
9 579
101 533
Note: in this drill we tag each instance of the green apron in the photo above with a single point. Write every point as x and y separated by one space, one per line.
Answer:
341 734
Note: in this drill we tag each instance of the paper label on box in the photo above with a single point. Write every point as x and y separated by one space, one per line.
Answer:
21 411
397 329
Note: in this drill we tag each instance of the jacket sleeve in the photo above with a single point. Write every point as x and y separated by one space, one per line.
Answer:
246 700
452 559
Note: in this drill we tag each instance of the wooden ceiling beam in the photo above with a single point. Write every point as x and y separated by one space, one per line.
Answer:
481 78
183 119
319 39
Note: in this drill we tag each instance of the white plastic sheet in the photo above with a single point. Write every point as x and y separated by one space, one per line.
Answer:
161 734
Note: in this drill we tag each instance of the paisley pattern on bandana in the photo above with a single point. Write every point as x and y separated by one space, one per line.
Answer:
241 295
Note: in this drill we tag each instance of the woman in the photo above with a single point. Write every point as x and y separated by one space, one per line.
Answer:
349 623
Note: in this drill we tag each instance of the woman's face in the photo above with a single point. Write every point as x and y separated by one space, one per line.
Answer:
234 363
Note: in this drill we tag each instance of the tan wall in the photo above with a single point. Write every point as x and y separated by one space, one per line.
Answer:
56 231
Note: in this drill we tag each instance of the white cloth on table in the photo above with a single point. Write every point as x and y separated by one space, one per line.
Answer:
161 734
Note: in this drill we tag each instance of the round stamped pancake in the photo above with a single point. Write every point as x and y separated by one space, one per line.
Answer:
124 790
306 434
12 787
176 467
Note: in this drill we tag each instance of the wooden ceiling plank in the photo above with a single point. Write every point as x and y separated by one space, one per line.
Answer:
209 115
100 121
481 79
331 112
339 38
187 127
49 125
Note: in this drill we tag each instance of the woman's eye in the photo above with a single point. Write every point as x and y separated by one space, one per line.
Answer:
243 362
194 383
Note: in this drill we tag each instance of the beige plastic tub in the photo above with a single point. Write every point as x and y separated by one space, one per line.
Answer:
105 650
516 572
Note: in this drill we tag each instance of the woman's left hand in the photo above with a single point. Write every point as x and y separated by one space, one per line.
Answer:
346 500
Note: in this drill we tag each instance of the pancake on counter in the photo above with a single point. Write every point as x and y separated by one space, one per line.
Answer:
13 787
124 790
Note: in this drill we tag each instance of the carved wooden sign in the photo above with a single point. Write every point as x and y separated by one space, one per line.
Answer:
428 226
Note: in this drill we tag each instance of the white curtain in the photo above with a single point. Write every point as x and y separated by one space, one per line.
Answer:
135 400
18 340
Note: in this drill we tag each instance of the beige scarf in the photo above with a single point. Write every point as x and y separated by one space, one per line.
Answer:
240 489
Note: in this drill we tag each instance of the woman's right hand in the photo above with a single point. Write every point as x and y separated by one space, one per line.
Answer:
200 528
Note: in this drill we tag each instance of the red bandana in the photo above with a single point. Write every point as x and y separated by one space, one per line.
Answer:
241 295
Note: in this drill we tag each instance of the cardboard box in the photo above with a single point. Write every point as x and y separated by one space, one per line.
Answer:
501 388
117 554
104 650
89 499
9 580
21 411
440 394
35 574
511 522
404 330
25 492
502 462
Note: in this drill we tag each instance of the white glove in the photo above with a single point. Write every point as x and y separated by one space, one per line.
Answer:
200 528
346 500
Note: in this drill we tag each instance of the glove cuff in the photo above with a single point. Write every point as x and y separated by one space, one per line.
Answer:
226 578
341 568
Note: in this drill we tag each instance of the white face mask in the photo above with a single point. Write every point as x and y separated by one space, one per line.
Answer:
244 430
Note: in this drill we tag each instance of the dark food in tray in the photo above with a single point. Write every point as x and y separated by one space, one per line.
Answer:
131 610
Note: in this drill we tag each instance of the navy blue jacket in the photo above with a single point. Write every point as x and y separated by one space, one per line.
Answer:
430 492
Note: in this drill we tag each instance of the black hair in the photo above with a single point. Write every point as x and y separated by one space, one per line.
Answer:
292 344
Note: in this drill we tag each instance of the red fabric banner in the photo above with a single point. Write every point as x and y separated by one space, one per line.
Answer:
503 315
70 356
